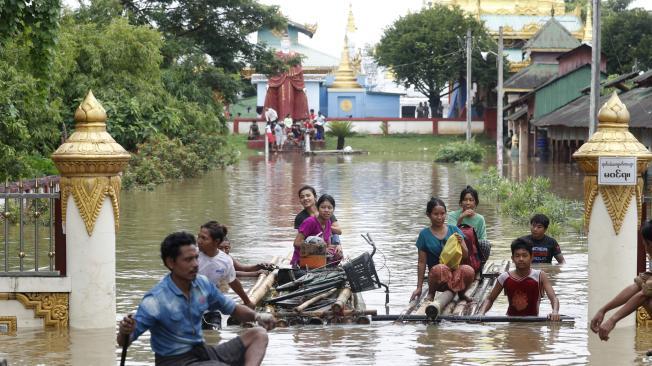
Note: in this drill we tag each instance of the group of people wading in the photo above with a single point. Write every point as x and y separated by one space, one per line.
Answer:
201 270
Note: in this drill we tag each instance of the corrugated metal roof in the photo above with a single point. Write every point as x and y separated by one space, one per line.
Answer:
552 35
514 116
561 90
532 76
576 113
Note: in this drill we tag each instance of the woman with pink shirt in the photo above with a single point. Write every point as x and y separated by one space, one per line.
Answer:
320 225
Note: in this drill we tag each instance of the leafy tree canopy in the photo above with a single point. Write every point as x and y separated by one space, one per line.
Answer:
626 39
427 50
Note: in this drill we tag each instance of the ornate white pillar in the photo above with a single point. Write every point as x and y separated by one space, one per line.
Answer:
612 212
90 163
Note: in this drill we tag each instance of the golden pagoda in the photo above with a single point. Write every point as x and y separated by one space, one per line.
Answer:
345 77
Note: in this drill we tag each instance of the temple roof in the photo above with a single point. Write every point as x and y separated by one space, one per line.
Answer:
312 58
529 23
531 77
576 113
552 36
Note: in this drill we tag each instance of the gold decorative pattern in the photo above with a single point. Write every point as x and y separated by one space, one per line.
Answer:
10 323
612 138
643 318
88 194
590 193
617 199
90 162
53 307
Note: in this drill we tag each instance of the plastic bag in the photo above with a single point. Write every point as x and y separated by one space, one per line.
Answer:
451 254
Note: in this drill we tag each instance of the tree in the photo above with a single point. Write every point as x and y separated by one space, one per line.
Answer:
217 28
626 38
426 50
40 19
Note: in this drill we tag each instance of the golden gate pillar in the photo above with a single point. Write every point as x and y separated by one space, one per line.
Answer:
613 161
90 163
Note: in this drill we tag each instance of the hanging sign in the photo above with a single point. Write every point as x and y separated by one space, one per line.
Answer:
617 171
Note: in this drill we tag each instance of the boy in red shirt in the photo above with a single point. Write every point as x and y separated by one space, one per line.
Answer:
523 286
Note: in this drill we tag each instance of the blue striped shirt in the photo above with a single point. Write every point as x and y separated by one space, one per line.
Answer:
173 320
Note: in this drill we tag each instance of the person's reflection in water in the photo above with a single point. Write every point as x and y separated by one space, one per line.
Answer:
524 342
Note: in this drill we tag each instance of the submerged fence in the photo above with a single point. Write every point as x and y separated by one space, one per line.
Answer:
30 222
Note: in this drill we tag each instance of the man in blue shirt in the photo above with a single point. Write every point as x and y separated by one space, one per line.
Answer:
172 312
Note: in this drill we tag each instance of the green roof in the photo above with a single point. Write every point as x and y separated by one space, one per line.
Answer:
552 36
531 77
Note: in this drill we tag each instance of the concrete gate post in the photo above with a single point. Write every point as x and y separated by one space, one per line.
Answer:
612 208
90 163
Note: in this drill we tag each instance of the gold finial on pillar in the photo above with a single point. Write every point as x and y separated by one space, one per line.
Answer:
612 139
350 23
90 163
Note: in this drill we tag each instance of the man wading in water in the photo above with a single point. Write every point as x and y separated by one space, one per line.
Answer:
172 312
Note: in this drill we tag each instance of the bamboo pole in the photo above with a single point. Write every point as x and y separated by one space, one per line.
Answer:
440 301
261 277
358 302
340 304
315 299
324 313
261 291
474 318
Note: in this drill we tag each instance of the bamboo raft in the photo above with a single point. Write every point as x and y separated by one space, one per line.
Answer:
446 304
329 295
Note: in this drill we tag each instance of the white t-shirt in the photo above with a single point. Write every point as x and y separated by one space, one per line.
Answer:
219 269
271 115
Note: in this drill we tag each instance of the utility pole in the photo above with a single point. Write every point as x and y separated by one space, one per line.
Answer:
468 85
595 69
499 107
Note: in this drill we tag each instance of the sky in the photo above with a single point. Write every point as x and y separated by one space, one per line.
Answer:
371 18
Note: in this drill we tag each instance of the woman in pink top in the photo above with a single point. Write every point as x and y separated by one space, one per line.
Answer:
320 225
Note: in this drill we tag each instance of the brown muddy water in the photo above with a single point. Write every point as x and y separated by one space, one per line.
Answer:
384 196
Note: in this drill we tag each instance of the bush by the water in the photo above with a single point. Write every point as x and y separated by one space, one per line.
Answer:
161 159
521 200
460 151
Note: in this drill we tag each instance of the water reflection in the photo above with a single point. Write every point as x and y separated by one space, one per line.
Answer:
386 198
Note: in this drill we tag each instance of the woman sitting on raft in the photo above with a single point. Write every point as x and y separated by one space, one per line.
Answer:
430 243
321 225
307 197
467 215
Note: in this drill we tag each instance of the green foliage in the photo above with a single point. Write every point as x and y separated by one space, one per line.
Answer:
340 129
161 159
626 38
460 151
38 19
520 201
426 50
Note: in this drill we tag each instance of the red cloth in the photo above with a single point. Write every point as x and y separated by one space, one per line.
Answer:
523 294
285 92
456 281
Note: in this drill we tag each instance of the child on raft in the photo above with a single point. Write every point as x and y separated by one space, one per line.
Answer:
320 225
467 215
544 248
523 286
631 297
430 243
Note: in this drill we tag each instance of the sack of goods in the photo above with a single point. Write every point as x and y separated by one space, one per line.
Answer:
451 254
313 253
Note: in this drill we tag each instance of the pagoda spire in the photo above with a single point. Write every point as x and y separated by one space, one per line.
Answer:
350 23
345 76
588 24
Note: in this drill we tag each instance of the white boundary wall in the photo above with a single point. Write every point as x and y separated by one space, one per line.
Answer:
373 127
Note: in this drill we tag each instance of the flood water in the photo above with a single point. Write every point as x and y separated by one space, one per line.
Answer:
384 196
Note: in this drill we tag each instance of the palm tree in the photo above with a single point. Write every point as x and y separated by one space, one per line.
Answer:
340 129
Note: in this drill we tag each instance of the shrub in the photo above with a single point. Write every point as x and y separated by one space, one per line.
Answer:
341 130
460 151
